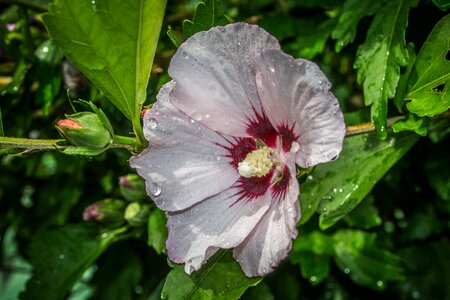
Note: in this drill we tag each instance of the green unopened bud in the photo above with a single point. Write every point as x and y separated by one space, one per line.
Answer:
108 212
137 214
132 187
85 129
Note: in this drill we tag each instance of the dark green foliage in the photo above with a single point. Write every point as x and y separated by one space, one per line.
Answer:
374 222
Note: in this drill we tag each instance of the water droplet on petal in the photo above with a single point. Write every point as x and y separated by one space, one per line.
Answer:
271 69
295 147
184 54
155 189
152 123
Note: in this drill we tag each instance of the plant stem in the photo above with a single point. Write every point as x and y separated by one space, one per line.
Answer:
369 127
10 145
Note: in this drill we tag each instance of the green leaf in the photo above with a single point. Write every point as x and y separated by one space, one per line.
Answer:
442 4
352 12
430 77
220 278
310 44
399 99
259 292
157 231
357 255
173 37
412 123
116 279
60 256
113 43
315 268
365 215
335 188
48 73
209 13
312 251
379 59
315 242
428 270
21 71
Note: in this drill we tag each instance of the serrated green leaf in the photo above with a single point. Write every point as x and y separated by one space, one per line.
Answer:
60 256
352 12
157 231
209 13
379 59
430 77
220 278
412 123
364 216
113 43
357 255
335 188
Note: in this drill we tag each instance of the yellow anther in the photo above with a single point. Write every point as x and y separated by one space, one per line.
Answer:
258 163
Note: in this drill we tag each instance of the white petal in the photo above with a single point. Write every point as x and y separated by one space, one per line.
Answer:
218 222
296 93
271 240
185 162
214 71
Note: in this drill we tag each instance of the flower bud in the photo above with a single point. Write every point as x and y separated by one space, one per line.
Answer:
132 187
85 129
137 214
107 212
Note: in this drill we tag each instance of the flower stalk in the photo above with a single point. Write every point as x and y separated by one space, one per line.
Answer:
12 144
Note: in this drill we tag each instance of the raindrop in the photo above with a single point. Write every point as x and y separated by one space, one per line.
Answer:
61 256
332 155
313 278
94 5
309 177
184 54
15 88
45 49
415 295
347 271
324 209
152 123
341 190
155 189
238 43
295 147
380 283
138 289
